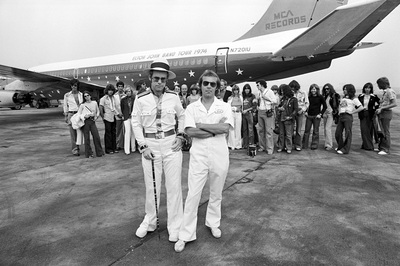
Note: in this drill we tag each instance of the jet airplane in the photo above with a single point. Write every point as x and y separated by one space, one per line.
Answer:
289 39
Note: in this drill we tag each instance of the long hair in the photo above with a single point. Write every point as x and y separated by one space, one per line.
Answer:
351 90
330 92
316 87
286 91
109 87
244 94
368 85
295 85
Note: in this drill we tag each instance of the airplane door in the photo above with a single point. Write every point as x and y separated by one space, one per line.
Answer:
221 57
76 73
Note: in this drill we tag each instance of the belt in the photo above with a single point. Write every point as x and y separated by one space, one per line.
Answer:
72 112
160 135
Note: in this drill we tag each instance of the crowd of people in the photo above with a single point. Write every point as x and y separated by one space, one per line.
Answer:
159 122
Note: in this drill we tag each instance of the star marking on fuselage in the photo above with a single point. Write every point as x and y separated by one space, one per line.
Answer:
176 83
117 78
239 72
88 78
191 73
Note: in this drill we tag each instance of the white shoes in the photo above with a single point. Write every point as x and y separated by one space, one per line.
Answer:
216 232
141 232
382 153
179 246
339 152
173 238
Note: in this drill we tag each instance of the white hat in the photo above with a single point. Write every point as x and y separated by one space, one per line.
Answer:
163 66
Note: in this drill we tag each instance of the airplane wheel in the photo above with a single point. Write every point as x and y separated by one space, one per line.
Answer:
19 107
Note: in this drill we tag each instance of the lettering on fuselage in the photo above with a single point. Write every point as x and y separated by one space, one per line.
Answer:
240 50
182 53
284 19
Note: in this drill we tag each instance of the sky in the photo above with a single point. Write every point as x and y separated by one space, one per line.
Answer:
47 31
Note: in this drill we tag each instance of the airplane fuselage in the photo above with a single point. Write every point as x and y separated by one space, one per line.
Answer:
235 62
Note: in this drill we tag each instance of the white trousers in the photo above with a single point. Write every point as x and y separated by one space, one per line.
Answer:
205 164
129 137
328 121
235 133
171 162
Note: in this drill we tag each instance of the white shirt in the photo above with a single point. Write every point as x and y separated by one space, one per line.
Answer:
197 113
70 104
145 111
267 99
348 106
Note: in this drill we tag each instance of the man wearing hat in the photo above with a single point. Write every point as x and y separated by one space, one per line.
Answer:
153 121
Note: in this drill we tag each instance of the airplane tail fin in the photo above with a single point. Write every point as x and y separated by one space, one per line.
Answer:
283 15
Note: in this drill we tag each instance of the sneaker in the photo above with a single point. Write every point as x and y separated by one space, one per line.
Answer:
382 153
298 149
116 151
216 232
141 232
339 152
173 238
328 148
179 246
289 151
376 149
279 150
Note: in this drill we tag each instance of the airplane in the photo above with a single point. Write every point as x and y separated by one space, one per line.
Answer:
290 39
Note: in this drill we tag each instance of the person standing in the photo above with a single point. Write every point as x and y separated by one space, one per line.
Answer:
223 92
89 111
183 95
249 106
108 113
314 114
153 122
267 99
207 121
236 103
332 100
370 102
194 95
126 109
348 106
384 113
287 109
72 101
302 100
119 122
140 86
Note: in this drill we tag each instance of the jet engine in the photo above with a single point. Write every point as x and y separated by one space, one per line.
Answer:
14 99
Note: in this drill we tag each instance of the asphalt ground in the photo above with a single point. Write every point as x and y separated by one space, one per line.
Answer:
313 207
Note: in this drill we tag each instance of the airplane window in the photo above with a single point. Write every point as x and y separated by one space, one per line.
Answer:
186 62
118 68
205 60
114 68
181 62
199 61
192 62
135 66
140 66
130 66
175 63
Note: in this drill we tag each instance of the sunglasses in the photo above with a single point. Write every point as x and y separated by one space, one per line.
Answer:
157 79
86 95
212 84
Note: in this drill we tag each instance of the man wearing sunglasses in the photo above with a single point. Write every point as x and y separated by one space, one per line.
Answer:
153 122
207 121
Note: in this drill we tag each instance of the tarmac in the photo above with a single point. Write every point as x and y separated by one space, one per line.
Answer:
312 207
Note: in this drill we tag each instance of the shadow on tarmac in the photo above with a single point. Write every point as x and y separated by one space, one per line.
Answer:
313 207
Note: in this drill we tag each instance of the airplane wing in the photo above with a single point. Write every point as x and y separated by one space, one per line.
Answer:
48 82
341 30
